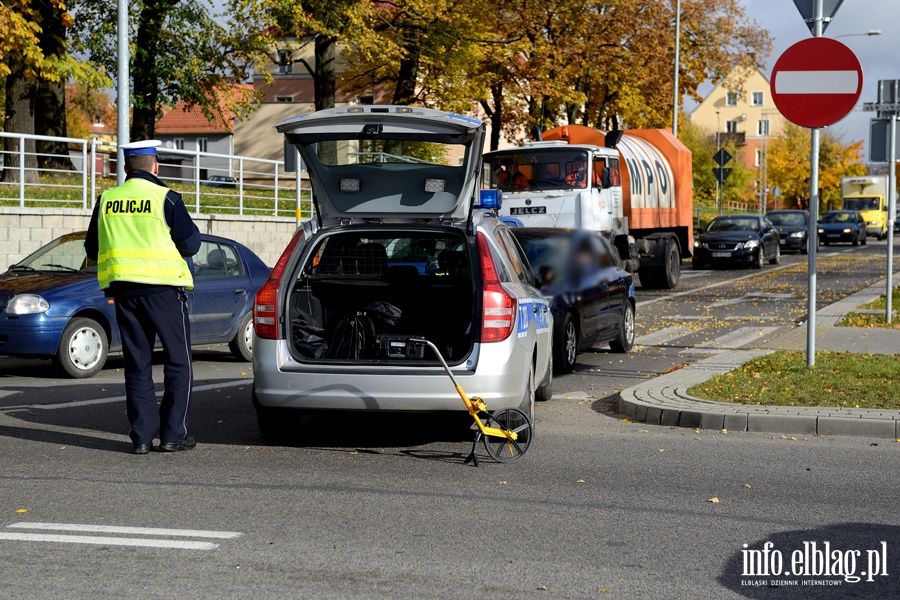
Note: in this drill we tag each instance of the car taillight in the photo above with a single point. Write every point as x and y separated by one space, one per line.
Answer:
265 308
499 316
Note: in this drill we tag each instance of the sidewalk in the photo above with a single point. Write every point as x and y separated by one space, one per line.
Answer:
664 400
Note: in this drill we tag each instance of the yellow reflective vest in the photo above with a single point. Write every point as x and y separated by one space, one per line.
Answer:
134 240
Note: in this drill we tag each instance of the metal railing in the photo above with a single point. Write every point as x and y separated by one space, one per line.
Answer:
210 183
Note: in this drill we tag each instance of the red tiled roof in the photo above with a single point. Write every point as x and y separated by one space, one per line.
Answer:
182 119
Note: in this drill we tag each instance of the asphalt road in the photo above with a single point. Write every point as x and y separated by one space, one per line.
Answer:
383 507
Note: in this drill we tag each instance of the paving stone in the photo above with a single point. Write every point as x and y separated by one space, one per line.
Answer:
781 423
690 418
711 420
880 428
736 422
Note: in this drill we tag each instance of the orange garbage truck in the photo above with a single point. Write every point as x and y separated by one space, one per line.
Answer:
635 187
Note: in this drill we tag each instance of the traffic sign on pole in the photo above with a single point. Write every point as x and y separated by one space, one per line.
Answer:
816 82
721 174
722 157
807 10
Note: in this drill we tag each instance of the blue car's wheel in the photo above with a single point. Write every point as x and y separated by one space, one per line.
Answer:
83 348
242 344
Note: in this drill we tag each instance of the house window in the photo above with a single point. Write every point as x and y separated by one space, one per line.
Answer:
762 128
178 143
284 98
757 99
202 145
285 62
731 126
731 99
758 160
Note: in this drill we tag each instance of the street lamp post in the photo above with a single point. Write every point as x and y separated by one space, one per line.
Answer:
677 61
869 33
718 147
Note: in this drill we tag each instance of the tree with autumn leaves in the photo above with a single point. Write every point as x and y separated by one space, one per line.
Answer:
788 166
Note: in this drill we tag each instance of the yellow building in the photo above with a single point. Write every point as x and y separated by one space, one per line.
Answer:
741 110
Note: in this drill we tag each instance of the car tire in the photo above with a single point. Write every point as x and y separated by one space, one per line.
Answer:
760 259
865 239
804 248
624 340
274 423
566 347
545 392
856 241
527 404
242 344
777 258
83 348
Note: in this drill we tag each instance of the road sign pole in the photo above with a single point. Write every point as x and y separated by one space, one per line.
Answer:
892 215
813 237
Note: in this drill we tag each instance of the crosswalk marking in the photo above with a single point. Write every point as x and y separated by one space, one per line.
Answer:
665 335
733 340
106 540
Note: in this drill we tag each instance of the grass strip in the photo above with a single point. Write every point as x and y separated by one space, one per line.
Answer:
855 319
839 379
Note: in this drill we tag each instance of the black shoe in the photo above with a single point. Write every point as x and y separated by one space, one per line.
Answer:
141 448
187 443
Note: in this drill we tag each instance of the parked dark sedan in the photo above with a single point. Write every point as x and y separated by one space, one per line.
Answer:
842 226
737 239
592 296
792 227
51 305
222 181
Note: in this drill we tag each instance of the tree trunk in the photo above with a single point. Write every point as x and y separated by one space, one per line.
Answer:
145 97
407 77
50 101
324 77
20 106
496 116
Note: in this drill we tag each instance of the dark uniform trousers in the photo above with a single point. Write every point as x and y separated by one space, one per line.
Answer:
141 318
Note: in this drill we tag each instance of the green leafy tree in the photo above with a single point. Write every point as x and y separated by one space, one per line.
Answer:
180 50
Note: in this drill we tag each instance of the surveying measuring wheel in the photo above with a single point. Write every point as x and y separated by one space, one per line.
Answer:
505 449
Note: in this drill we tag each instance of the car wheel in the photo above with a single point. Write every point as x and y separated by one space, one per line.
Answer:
804 249
856 241
760 259
866 239
624 340
545 392
242 344
566 347
527 405
274 423
777 258
83 348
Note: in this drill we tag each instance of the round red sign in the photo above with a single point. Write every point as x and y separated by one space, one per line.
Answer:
816 82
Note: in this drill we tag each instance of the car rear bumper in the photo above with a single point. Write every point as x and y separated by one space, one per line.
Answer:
281 382
838 238
744 255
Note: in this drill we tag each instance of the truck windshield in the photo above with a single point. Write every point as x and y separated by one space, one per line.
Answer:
862 203
533 169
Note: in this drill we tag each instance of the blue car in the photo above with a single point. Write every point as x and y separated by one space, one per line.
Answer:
592 296
51 305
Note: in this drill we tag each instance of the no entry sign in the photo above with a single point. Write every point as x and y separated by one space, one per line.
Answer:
816 82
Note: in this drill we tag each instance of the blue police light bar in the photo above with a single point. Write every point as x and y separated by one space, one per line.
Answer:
489 199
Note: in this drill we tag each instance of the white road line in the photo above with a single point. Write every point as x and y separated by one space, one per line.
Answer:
107 541
223 535
665 335
816 82
733 340
96 401
711 286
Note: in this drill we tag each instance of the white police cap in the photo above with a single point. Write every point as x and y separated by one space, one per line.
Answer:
142 147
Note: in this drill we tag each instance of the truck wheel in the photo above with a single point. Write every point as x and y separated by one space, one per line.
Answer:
83 348
565 348
624 340
242 344
668 276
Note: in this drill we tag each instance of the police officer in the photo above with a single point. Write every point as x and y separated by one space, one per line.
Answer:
140 234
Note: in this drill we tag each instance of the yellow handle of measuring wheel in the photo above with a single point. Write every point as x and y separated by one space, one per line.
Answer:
479 406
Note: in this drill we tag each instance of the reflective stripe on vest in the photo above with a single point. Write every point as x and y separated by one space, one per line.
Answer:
135 242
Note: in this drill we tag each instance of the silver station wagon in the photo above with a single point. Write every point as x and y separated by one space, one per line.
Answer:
408 248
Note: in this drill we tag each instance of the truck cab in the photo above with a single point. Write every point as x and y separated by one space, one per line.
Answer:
868 195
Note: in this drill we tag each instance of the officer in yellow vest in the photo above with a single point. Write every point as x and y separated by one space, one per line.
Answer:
140 234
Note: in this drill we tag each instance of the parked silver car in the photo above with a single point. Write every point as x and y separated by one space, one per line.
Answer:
408 247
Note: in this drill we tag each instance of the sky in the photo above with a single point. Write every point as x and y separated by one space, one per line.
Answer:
878 55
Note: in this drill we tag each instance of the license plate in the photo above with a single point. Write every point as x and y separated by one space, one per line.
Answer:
833 235
782 242
528 210
720 254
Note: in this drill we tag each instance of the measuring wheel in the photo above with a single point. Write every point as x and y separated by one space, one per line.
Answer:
503 449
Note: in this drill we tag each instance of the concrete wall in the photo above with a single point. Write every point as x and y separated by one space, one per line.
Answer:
22 231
